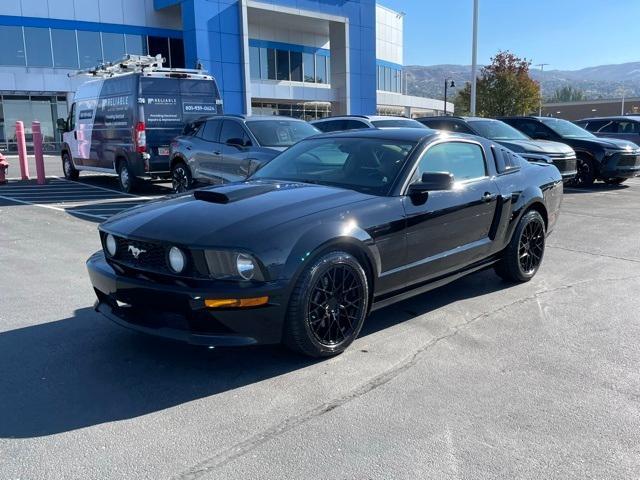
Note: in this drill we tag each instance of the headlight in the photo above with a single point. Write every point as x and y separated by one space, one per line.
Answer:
230 265
246 266
111 244
177 259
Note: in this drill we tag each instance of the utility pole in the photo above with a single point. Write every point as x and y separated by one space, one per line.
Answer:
541 65
474 58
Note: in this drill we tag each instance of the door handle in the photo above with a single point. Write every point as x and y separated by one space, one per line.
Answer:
216 153
488 197
75 135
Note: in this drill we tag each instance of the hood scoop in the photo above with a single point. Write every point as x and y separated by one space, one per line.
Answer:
232 193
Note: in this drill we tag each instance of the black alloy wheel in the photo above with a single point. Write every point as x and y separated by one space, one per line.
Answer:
328 306
531 247
586 174
181 179
523 256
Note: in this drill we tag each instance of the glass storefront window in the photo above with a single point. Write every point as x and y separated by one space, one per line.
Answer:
271 63
90 49
65 51
135 44
321 69
254 62
159 45
12 51
16 108
41 112
296 66
176 47
112 46
38 45
282 67
308 67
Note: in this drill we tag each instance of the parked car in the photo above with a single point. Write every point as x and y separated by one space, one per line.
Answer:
354 122
228 148
334 227
622 127
560 154
610 160
123 121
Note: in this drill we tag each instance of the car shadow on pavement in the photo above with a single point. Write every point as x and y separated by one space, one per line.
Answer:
83 371
596 187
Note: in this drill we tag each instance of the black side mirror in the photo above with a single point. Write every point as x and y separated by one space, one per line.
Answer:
62 124
430 182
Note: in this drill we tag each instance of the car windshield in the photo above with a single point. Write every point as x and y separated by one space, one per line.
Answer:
368 165
397 122
564 128
280 133
497 130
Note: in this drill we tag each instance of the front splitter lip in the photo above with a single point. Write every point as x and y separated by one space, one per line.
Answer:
184 336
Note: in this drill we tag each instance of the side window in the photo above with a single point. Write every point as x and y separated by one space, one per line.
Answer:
609 127
627 127
464 160
71 121
353 125
193 129
533 129
593 125
232 132
461 127
506 161
211 131
330 125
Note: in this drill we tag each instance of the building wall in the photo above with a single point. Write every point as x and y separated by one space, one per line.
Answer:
593 108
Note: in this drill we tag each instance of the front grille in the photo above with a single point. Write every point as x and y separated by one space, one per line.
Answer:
565 164
629 160
151 256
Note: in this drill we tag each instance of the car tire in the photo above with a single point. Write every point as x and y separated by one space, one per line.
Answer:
615 181
68 168
126 180
586 173
181 178
328 306
522 257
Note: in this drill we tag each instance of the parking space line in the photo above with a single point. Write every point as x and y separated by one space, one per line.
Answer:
52 207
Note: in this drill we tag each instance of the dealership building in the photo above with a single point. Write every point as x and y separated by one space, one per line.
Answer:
303 58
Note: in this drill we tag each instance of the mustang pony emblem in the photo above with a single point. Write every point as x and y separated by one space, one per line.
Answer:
135 251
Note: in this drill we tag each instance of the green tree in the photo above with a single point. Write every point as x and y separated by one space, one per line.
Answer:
503 88
568 94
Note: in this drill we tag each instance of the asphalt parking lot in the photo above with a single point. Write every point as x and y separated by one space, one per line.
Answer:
478 379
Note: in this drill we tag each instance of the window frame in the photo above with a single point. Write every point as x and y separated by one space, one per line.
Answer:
245 134
408 180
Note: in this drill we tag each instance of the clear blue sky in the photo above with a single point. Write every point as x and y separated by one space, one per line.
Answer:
567 34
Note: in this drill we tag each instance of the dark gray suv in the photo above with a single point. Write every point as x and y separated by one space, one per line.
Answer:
622 127
228 148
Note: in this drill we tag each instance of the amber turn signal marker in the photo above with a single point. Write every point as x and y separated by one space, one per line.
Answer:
235 302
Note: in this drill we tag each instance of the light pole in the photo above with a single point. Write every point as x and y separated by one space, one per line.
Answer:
446 84
541 65
474 59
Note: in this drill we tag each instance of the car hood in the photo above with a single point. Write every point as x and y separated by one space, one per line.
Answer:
536 146
236 214
610 143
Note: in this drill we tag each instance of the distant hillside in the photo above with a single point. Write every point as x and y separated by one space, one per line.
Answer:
604 81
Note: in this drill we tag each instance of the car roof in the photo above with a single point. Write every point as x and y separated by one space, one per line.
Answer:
406 134
249 117
635 118
364 117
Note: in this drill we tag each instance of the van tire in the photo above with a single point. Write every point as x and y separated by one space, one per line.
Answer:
69 169
126 180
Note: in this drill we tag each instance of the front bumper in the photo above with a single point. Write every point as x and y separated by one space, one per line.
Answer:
177 311
620 165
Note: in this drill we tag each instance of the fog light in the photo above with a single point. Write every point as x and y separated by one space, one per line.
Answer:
246 266
177 259
112 246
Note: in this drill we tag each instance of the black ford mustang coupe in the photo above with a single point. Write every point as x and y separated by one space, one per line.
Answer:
336 226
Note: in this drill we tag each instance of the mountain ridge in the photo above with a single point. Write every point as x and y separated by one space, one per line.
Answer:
596 82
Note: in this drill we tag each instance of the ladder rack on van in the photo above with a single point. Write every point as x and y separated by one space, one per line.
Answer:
140 64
